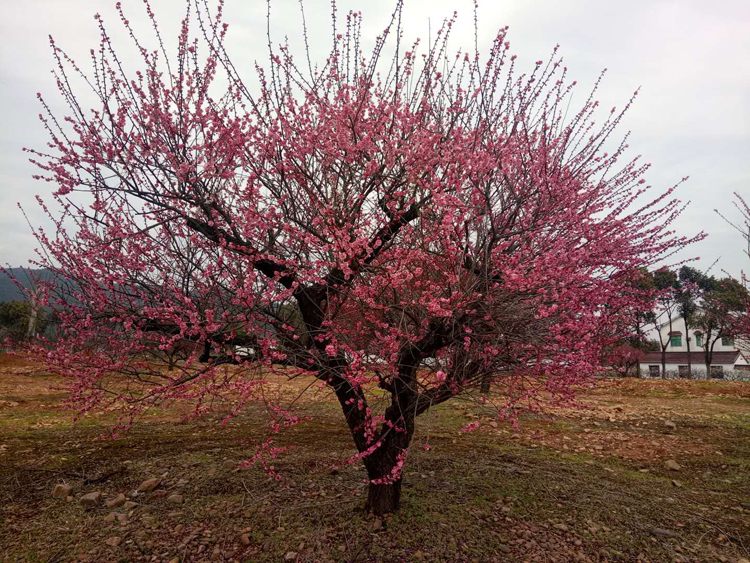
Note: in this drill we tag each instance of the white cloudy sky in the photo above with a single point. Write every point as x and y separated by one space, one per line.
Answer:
691 58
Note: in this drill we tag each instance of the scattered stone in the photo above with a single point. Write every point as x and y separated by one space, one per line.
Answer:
290 556
493 424
664 533
245 539
174 560
149 485
342 548
377 525
175 499
178 528
113 541
62 491
670 425
561 527
161 493
676 483
504 548
117 501
91 499
418 555
745 505
121 518
672 464
110 517
129 505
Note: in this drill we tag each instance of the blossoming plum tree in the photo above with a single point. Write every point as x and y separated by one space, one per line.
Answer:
410 230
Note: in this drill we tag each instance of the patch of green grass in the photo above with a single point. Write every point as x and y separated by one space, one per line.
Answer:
472 497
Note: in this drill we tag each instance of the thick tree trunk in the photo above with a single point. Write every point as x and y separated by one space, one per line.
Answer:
384 499
385 470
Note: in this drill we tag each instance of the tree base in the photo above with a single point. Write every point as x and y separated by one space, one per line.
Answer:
384 499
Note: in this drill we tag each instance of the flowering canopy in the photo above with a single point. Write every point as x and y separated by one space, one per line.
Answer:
440 225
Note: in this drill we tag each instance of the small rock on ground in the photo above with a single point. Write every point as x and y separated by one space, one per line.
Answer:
665 533
91 499
672 464
117 501
62 491
149 485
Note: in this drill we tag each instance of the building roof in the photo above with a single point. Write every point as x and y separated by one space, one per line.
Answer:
695 358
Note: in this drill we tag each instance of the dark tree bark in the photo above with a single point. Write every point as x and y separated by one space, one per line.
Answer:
384 499
687 341
485 387
385 496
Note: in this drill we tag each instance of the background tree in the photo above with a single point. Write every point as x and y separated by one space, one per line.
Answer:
667 283
723 303
21 320
645 301
642 293
435 222
742 319
693 284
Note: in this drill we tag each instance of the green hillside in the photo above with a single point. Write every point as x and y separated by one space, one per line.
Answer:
9 291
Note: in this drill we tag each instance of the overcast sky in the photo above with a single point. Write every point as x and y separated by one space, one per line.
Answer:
691 58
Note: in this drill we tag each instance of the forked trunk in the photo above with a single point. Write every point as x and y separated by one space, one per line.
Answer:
384 499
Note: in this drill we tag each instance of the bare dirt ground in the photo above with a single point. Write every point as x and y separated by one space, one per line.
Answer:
649 471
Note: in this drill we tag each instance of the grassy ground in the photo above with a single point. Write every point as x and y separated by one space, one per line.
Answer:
578 485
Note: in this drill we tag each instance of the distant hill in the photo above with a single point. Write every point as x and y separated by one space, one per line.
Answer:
9 290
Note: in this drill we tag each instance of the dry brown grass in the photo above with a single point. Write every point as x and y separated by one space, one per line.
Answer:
587 484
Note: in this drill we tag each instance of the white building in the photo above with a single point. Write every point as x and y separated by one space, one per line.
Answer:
727 356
